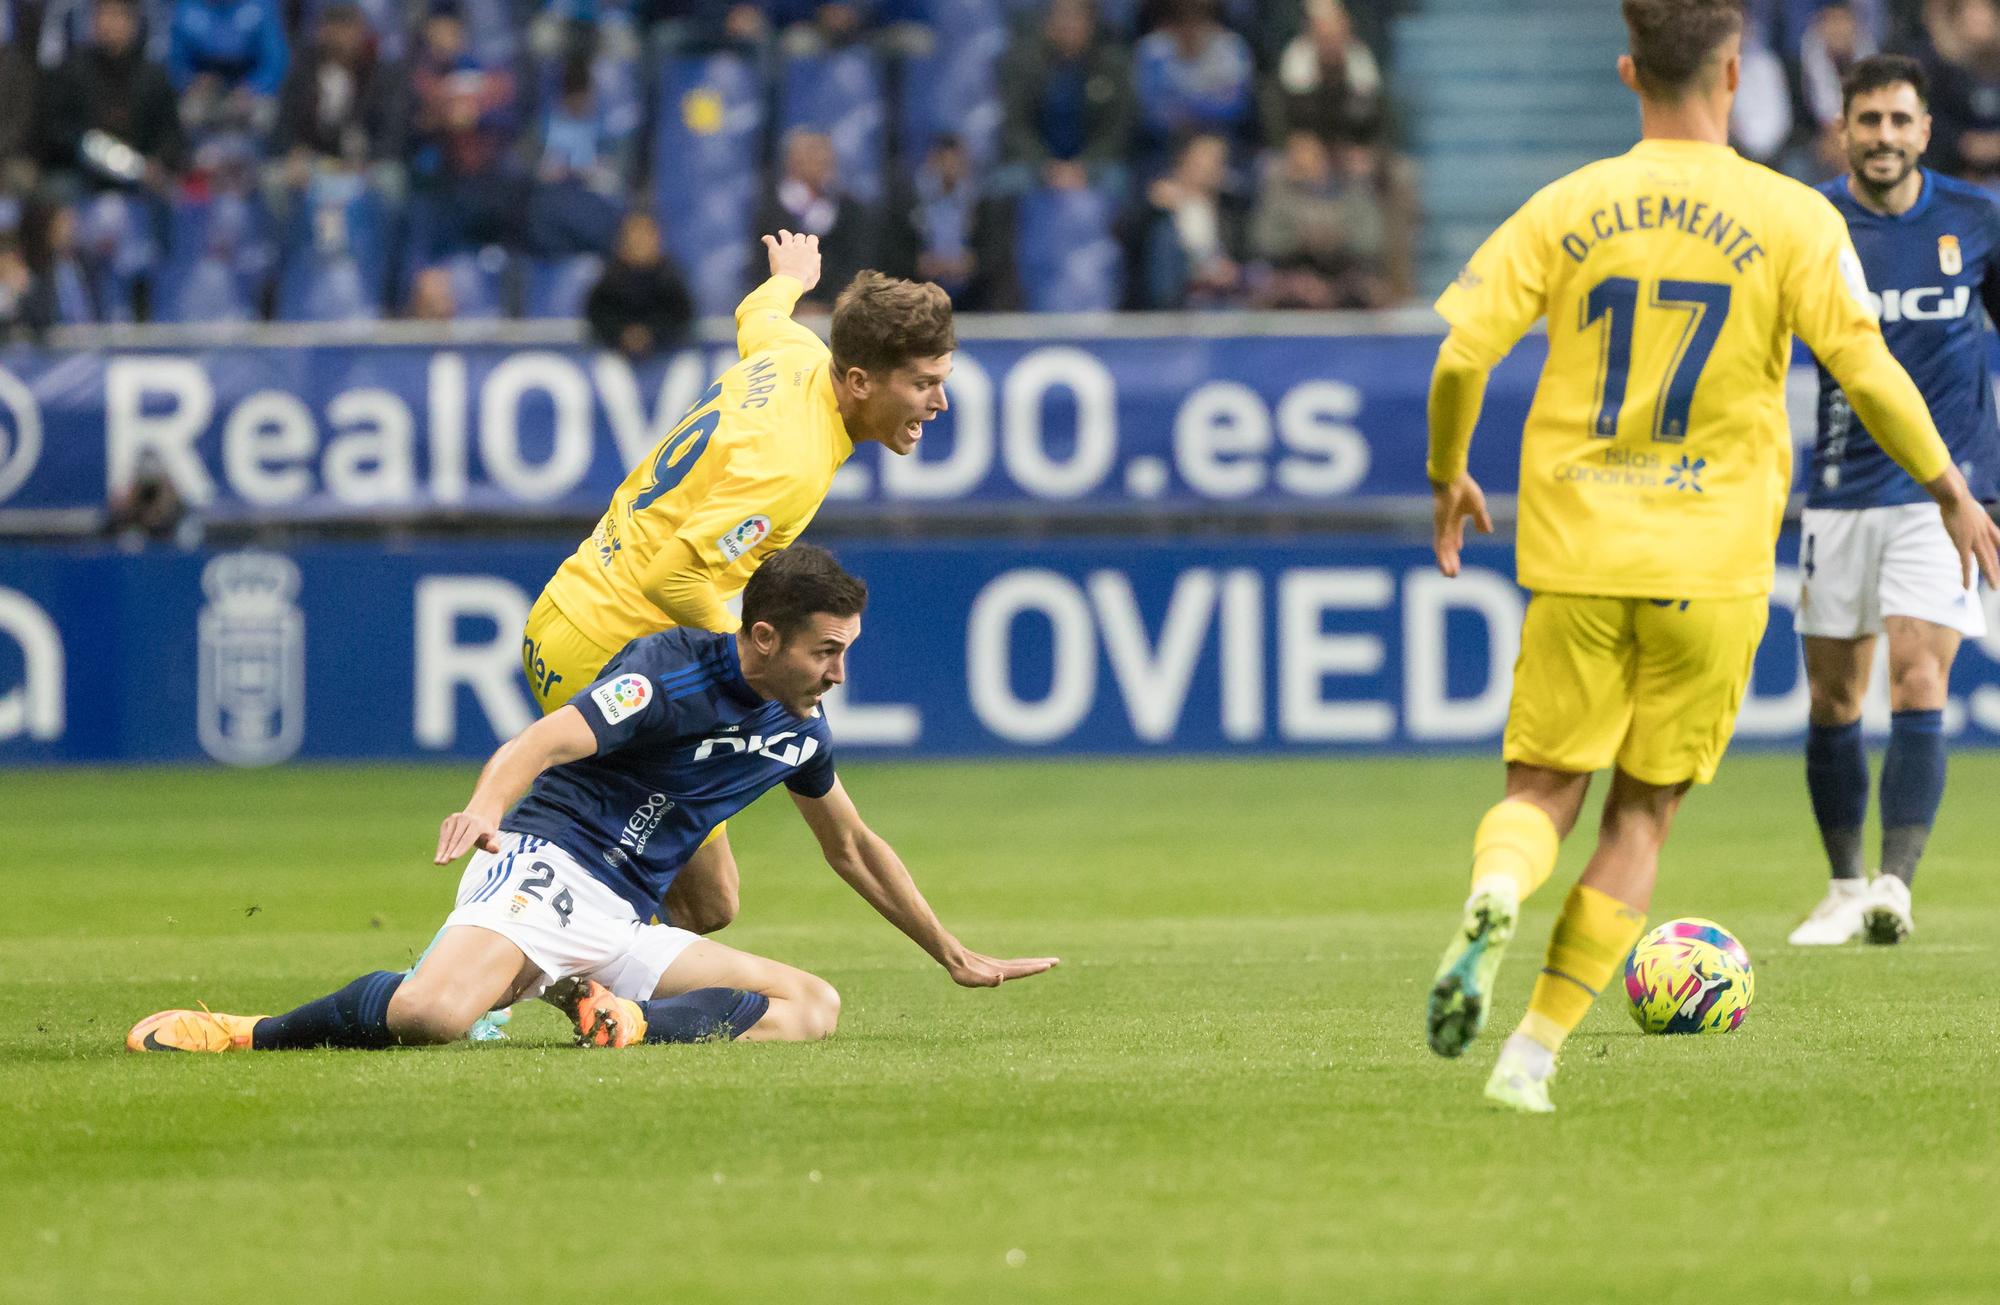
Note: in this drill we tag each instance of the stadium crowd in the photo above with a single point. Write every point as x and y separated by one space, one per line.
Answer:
352 160
1795 52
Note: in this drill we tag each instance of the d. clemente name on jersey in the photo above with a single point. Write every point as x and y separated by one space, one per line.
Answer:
1658 212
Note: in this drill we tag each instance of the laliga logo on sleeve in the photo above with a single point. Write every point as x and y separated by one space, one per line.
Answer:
20 433
744 538
625 696
251 673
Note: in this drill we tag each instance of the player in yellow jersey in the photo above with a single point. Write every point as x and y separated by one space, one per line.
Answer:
737 479
1655 465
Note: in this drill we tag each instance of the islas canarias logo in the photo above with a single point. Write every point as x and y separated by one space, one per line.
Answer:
622 698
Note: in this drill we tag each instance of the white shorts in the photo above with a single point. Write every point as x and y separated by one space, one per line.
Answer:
1862 564
537 897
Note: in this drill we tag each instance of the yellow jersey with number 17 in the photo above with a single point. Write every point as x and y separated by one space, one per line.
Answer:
1657 457
738 478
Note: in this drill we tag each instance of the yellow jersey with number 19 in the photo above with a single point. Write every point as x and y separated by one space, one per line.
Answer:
1657 458
738 478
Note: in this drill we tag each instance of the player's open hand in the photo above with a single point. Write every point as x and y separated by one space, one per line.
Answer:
1975 537
974 970
1454 502
795 254
461 832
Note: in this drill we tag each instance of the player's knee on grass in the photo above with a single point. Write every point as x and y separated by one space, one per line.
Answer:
422 1015
808 1011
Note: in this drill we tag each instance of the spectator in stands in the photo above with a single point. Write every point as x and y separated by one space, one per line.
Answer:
62 293
1328 82
17 293
940 228
228 59
1833 40
806 198
1191 75
17 117
1191 235
462 120
1321 226
108 116
640 306
1069 105
1964 66
431 296
334 108
582 163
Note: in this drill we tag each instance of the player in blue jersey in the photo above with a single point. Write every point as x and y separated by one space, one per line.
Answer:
1873 550
610 795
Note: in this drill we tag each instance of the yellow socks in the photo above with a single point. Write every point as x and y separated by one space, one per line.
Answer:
1591 938
1517 841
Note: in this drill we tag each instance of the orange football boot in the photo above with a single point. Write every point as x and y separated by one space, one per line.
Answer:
604 1019
192 1030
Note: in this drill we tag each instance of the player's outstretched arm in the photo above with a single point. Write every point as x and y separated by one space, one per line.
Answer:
794 254
561 736
872 868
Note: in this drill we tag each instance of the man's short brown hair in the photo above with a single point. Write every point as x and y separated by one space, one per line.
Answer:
797 583
881 322
1673 40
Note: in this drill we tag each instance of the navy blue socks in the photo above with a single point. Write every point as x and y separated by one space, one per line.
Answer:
1837 776
705 1014
356 1016
1912 787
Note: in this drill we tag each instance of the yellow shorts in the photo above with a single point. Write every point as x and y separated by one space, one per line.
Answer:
558 657
560 660
1652 684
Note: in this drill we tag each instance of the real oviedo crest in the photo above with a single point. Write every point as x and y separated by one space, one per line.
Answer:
251 672
1950 261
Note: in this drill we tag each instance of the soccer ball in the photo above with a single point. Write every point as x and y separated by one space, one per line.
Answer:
1689 976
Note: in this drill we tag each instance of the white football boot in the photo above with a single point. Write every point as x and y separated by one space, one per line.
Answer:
1522 1076
1886 917
1837 918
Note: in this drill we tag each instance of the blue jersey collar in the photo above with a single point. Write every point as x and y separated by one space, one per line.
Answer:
733 682
1916 210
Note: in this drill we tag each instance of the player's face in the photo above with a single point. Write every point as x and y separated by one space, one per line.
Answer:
802 667
907 398
1886 131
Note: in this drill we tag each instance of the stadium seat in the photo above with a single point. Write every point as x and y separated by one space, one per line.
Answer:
328 289
1069 258
558 287
479 283
116 233
955 89
840 93
220 255
705 179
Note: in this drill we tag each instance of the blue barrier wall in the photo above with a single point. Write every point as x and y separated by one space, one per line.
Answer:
969 649
1252 423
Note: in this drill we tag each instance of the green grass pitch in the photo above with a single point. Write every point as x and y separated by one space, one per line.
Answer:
1221 1095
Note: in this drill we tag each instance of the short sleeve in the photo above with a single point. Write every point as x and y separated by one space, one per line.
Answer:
1503 289
815 778
1989 283
622 705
